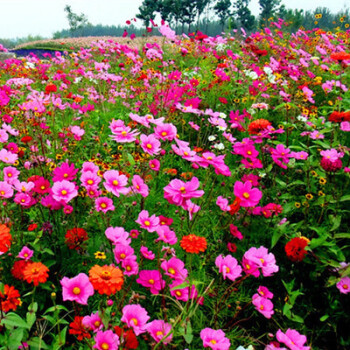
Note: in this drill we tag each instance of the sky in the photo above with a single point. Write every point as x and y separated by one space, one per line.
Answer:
20 18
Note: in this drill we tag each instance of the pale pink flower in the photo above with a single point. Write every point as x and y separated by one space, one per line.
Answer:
147 254
8 157
263 305
136 317
139 186
149 223
165 132
264 292
64 191
130 266
150 144
104 204
23 199
90 179
344 285
6 190
345 126
77 289
118 235
223 203
160 330
115 182
166 235
256 258
10 174
229 267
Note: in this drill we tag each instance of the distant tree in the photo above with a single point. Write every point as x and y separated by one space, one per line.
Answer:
200 7
268 9
75 21
147 11
222 10
244 15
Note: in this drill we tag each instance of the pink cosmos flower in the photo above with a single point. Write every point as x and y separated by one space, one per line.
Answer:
158 329
332 154
299 155
77 289
89 166
122 251
64 191
344 285
254 179
24 199
293 339
130 266
316 135
281 155
151 279
256 258
165 132
183 293
104 204
139 186
3 136
235 233
166 235
150 144
64 172
77 132
345 126
191 208
90 179
177 192
23 186
154 164
148 254
263 305
106 341
229 267
264 292
93 322
25 253
135 316
214 339
223 203
8 157
149 223
115 183
122 133
249 197
6 190
174 268
118 235
10 174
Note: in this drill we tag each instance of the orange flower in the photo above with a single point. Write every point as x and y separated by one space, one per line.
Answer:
18 268
106 279
193 244
235 206
5 238
36 272
340 56
9 300
257 126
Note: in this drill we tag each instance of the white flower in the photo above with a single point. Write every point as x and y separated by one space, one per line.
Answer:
251 74
268 70
301 118
211 138
222 115
220 146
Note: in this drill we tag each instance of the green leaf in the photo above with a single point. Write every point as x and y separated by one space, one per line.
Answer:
55 308
13 320
316 242
31 317
342 235
131 159
277 234
345 198
335 220
15 339
37 343
324 318
181 286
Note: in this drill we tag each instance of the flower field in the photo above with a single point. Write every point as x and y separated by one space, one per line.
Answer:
187 193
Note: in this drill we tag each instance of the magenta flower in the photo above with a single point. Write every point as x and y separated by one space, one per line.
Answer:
174 268
293 339
90 179
166 235
344 285
24 199
121 132
165 132
130 265
64 191
154 164
118 235
93 322
147 254
106 341
158 329
235 233
10 174
151 279
256 258
281 155
115 183
263 305
104 204
64 172
135 316
77 289
25 253
184 292
177 192
249 196
139 186
150 144
149 223
299 155
215 340
229 267
223 203
264 292
121 252
6 190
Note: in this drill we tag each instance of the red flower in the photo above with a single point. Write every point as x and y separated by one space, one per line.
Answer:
75 238
193 244
235 206
223 100
258 125
340 56
26 139
18 268
76 327
50 88
32 227
338 117
128 336
9 299
36 272
330 166
5 238
295 249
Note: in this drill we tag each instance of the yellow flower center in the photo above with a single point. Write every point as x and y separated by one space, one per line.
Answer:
115 182
63 192
246 195
149 146
65 175
76 290
122 256
172 271
164 133
228 270
106 275
345 286
124 133
151 281
105 346
135 321
182 189
147 223
213 341
103 205
90 182
159 333
178 293
9 175
97 323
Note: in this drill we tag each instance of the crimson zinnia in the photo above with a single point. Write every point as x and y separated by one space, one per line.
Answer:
257 126
193 244
9 299
295 249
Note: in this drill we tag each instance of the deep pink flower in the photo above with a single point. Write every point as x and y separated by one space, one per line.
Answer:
166 235
256 258
249 196
344 285
293 339
235 233
106 341
24 199
154 164
90 179
64 191
93 322
139 186
10 174
135 316
214 339
104 204
25 253
148 254
174 268
115 182
77 289
264 292
64 172
122 251
165 132
229 267
151 279
158 329
130 265
263 305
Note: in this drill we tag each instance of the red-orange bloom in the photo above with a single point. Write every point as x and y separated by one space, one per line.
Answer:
75 238
5 238
36 272
106 279
257 126
18 268
9 299
235 206
295 249
338 117
340 56
193 244
77 328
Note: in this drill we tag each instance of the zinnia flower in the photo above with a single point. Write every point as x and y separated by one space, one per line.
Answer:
78 329
295 249
75 238
257 126
193 244
36 272
5 239
106 279
9 298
